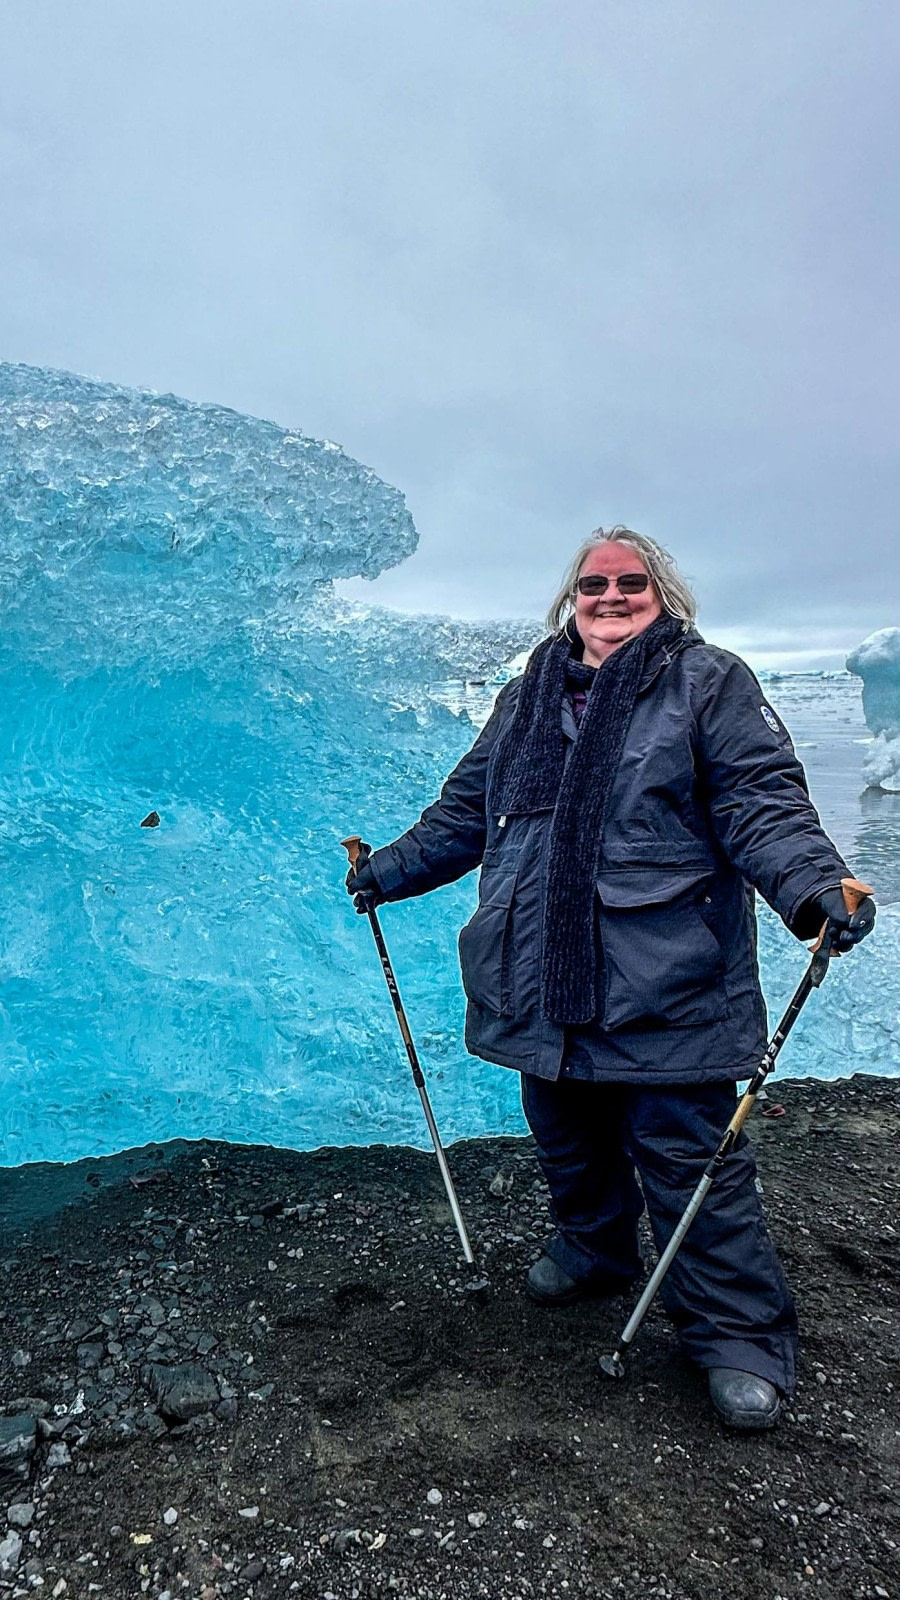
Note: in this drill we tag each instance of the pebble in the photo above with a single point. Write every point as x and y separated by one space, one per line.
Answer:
18 1437
170 1517
10 1552
434 1497
249 1512
77 1329
476 1519
20 1515
59 1455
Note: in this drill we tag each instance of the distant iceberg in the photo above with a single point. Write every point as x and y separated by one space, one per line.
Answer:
877 662
171 643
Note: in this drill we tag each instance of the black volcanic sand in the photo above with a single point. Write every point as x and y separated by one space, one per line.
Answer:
363 1427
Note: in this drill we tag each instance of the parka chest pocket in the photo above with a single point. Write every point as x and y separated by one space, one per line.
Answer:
662 962
484 946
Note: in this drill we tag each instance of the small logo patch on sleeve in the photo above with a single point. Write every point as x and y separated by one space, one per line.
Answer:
770 719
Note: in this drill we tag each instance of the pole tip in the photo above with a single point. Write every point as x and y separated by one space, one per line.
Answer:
613 1366
478 1286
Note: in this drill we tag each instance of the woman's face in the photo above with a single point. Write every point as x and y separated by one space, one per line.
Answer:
605 621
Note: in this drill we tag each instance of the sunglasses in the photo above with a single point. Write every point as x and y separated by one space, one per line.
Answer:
628 583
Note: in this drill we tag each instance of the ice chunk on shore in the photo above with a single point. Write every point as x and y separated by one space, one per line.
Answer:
170 642
877 662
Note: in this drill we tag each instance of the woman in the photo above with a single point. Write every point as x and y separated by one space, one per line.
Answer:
626 798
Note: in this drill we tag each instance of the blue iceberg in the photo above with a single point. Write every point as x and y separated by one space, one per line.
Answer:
877 662
172 644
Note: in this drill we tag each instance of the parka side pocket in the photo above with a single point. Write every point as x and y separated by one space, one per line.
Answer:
663 965
484 947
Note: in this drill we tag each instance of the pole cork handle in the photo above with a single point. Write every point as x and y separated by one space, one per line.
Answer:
854 894
351 846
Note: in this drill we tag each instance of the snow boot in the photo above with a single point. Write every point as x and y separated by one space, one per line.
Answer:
742 1400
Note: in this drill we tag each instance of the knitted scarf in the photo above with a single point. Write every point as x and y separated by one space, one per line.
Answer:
531 774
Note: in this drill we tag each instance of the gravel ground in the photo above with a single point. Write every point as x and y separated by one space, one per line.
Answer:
243 1372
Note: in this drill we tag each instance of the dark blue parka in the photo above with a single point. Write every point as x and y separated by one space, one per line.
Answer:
709 804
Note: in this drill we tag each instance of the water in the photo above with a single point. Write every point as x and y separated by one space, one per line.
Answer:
825 715
171 643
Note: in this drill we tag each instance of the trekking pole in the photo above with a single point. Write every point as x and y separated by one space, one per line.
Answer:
360 852
822 951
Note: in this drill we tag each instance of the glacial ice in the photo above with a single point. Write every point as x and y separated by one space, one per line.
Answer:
171 642
877 662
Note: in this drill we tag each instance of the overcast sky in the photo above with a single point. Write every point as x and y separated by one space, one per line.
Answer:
542 266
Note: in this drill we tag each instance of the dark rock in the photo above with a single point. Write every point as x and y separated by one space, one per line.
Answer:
25 1402
18 1438
343 1539
152 1423
79 1329
182 1391
53 1427
89 1356
253 1570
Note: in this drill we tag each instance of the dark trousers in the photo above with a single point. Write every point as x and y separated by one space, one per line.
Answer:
725 1290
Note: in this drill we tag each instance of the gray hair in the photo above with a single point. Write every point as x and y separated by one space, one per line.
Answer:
675 597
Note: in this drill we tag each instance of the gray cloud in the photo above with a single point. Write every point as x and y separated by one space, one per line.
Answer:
540 267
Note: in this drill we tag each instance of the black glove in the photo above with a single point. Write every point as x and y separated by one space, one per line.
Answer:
829 905
363 885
